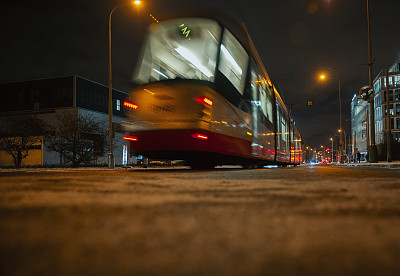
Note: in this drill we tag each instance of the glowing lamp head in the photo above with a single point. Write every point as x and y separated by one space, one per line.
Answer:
136 2
322 77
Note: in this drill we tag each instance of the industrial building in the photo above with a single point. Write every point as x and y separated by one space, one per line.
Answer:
49 98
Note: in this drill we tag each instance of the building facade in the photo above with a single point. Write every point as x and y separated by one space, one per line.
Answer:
49 98
359 126
360 112
394 104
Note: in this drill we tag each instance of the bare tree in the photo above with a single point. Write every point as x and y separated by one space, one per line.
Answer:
78 139
19 134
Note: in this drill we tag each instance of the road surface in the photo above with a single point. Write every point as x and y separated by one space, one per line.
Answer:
319 220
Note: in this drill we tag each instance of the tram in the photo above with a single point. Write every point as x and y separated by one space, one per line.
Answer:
205 97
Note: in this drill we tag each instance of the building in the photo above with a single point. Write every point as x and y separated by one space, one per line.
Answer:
48 98
359 126
360 112
394 104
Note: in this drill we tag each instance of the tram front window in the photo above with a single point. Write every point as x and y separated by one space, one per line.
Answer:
181 48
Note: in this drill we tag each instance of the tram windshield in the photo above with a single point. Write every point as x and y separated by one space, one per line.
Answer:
180 48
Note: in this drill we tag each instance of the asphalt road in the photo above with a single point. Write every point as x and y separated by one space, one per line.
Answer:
285 221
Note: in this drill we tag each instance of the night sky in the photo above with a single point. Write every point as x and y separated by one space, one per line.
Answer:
296 39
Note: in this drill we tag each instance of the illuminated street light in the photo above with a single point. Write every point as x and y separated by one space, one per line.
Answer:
332 149
340 116
111 161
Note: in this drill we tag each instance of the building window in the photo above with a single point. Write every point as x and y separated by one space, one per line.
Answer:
118 105
233 61
397 94
398 123
391 111
377 86
398 109
396 80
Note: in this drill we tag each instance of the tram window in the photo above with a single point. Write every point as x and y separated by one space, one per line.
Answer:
263 99
180 48
266 101
233 61
253 85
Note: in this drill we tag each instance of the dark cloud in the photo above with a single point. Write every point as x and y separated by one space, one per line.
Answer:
296 39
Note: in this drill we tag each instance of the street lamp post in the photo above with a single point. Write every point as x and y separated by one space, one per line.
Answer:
111 161
332 150
340 117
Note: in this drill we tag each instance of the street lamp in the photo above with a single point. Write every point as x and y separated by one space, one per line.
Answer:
111 161
332 149
340 116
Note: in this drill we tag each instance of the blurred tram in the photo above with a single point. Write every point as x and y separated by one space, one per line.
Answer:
204 96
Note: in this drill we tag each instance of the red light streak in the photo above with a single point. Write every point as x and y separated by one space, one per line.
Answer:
130 138
204 100
200 136
130 105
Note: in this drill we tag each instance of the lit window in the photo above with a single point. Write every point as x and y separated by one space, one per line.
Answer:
118 105
180 48
233 61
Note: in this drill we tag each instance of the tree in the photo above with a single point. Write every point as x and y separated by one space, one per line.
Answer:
19 134
78 139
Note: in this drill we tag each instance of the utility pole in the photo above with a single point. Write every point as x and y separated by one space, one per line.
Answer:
373 152
388 127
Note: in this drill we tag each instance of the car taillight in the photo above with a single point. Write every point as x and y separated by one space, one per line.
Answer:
204 100
130 105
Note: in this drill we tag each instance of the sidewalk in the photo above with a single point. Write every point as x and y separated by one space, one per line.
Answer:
385 164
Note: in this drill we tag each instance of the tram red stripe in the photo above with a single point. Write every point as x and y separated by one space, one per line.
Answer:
183 140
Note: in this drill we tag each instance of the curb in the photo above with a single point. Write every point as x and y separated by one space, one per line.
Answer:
380 165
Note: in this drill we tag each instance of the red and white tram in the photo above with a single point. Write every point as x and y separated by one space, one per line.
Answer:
205 97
